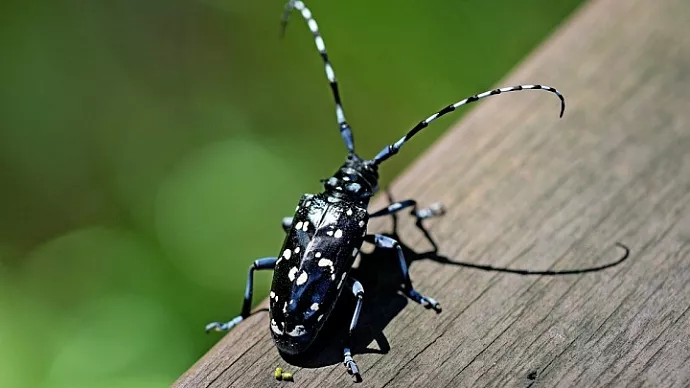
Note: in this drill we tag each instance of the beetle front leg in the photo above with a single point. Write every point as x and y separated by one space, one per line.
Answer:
382 241
436 209
348 361
265 263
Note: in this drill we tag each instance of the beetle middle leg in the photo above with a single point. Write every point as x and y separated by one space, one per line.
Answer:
265 263
382 241
436 209
349 362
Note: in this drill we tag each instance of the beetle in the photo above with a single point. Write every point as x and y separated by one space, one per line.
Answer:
324 235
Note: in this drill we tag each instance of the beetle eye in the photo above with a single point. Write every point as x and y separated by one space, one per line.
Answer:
353 187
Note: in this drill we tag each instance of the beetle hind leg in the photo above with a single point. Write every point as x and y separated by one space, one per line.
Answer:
348 361
265 263
382 241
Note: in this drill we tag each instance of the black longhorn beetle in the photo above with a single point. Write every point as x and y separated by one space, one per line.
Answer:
325 234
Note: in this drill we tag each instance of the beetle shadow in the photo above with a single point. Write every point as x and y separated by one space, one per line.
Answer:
380 275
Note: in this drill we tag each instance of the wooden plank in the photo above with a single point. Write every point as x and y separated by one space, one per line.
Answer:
525 190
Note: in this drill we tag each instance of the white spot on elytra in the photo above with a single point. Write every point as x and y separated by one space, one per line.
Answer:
285 308
330 233
272 294
349 212
298 226
338 233
361 224
275 328
317 254
297 331
297 250
287 253
314 306
306 224
327 263
355 252
292 273
333 276
307 203
302 279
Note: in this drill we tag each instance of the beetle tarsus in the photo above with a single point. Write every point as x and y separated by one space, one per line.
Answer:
220 327
431 303
352 368
435 210
427 302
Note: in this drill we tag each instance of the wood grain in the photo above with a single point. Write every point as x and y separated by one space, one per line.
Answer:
525 190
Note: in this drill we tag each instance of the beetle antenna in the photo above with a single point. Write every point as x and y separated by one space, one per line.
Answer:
393 149
345 130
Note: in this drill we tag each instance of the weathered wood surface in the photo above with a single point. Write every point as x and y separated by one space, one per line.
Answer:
526 190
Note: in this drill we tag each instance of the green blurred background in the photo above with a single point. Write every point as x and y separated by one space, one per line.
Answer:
148 150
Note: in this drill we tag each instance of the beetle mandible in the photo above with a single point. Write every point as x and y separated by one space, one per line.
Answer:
327 230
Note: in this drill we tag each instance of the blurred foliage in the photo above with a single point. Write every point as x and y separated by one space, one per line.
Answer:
148 151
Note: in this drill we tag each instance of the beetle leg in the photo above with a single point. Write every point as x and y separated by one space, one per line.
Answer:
265 263
436 209
287 223
382 241
349 362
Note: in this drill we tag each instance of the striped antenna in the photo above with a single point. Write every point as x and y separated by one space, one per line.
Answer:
393 149
345 130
